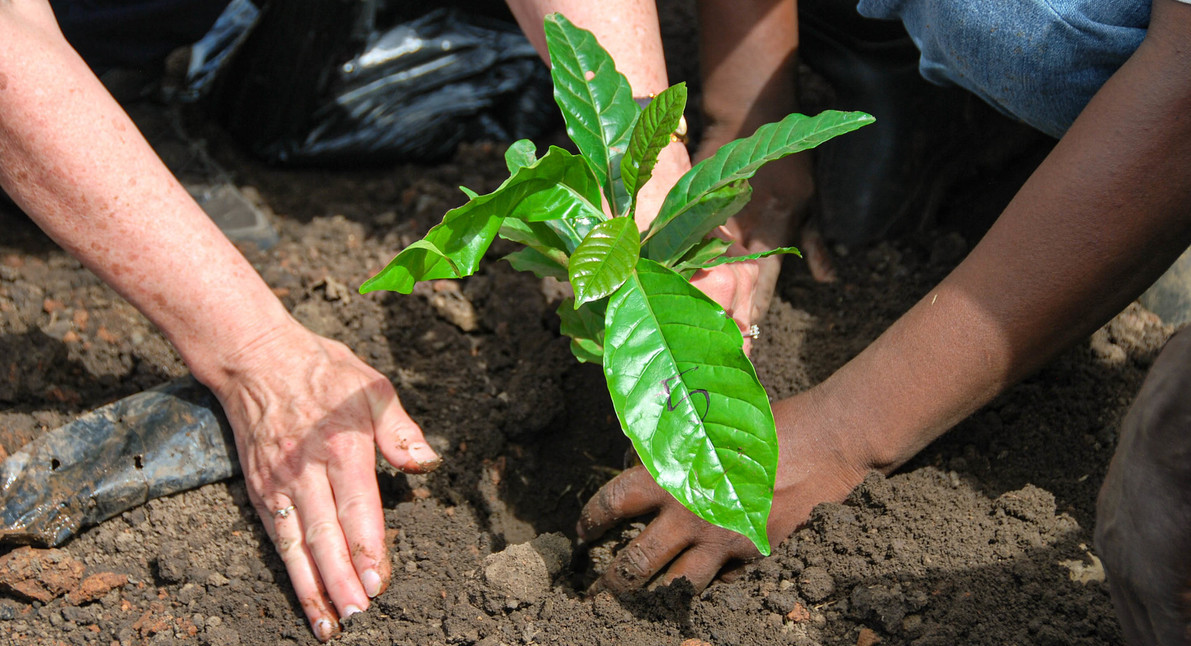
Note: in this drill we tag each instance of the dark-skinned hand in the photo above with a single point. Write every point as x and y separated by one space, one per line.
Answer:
816 465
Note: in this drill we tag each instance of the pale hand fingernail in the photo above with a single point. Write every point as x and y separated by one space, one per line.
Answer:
425 456
351 610
324 630
371 581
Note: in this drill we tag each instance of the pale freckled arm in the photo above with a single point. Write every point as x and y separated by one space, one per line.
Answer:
75 162
308 415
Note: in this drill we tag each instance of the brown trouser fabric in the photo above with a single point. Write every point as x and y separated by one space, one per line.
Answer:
1143 517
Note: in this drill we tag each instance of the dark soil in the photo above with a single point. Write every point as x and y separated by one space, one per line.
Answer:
985 538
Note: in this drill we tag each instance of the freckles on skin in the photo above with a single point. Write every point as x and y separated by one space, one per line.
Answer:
161 300
3 81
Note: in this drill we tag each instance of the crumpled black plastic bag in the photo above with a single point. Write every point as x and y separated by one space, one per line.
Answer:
328 82
158 442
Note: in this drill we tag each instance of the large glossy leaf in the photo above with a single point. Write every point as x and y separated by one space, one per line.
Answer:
604 259
692 227
585 326
735 161
454 247
651 133
565 232
689 399
596 100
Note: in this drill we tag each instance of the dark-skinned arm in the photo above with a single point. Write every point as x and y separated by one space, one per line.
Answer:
1106 213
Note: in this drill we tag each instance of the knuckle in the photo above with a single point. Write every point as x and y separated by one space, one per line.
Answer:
628 570
355 507
613 499
610 498
286 546
379 388
344 443
323 533
730 545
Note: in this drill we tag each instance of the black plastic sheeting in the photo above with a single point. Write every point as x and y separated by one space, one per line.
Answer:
327 82
155 443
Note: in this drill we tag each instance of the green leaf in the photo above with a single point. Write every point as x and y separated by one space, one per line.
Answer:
752 256
689 399
564 233
692 227
703 252
650 135
558 184
585 326
604 259
542 265
596 100
521 153
735 161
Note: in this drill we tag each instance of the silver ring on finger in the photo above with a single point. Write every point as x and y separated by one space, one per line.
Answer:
284 512
754 331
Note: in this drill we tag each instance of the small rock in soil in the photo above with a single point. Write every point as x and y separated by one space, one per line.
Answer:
450 303
8 610
1084 572
867 638
798 614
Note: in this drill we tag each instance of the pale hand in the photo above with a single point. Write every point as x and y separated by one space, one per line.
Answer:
308 416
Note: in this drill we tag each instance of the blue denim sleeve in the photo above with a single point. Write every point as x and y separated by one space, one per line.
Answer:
1039 61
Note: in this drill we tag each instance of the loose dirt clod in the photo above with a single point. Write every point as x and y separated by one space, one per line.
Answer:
41 575
95 586
816 584
524 572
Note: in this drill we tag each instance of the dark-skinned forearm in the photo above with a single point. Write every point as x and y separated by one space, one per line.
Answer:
1099 220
